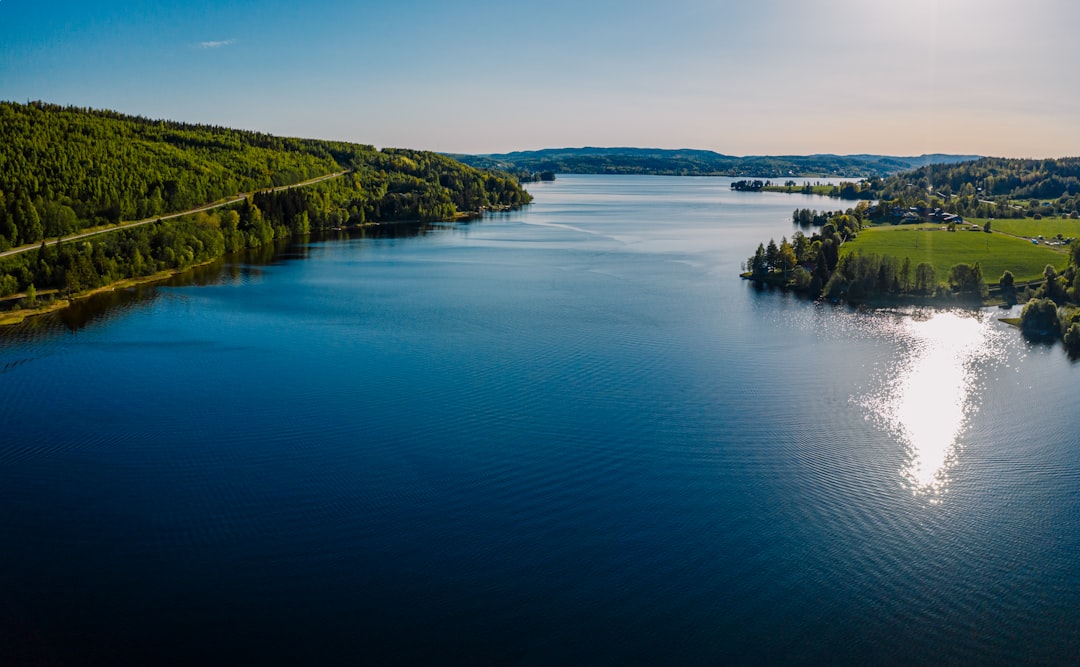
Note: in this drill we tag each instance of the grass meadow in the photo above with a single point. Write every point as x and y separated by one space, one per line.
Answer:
1047 227
996 252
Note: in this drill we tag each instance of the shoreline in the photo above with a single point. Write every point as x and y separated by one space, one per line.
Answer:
778 282
19 315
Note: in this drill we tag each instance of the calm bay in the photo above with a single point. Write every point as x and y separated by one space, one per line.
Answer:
565 433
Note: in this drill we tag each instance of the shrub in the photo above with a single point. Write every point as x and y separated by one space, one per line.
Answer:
1039 319
1072 338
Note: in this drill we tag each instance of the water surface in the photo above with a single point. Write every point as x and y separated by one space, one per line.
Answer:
563 433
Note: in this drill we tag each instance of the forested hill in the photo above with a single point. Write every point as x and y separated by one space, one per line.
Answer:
64 169
989 187
686 162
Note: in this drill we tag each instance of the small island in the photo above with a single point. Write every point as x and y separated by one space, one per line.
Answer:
910 241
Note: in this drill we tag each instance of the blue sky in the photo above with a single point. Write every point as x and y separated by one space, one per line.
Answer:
758 77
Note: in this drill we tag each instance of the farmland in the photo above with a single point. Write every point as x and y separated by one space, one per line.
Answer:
996 252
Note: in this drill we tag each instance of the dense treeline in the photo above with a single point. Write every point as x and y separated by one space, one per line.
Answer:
813 265
806 217
66 169
848 222
132 252
994 177
746 185
983 188
1053 311
688 162
63 169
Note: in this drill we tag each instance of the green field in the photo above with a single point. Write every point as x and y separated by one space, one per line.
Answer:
1047 227
996 252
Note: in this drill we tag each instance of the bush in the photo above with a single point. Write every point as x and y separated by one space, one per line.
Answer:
1072 338
1039 320
802 279
8 284
31 297
836 286
967 280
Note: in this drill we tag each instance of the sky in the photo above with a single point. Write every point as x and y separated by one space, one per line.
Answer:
752 77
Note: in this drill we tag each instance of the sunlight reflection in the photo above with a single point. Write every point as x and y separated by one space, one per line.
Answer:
929 400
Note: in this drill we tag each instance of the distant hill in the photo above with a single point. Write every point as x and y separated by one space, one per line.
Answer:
688 162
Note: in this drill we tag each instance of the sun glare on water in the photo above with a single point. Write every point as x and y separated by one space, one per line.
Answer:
932 393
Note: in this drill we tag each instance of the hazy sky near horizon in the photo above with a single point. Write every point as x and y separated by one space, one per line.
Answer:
477 76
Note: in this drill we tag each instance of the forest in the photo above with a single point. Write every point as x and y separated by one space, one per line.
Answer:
983 188
64 170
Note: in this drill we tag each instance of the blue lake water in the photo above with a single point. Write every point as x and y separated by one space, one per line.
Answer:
566 433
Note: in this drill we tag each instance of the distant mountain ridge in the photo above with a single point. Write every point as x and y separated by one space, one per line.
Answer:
694 162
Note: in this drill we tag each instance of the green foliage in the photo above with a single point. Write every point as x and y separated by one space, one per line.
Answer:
758 265
991 187
1054 286
750 186
967 280
925 279
847 223
1039 319
807 217
786 259
1072 337
802 279
1007 288
65 169
869 275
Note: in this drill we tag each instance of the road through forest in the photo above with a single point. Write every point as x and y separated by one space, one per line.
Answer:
136 223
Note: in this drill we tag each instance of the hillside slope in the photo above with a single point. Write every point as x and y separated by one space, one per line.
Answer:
63 169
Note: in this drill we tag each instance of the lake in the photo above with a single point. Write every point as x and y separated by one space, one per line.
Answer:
568 433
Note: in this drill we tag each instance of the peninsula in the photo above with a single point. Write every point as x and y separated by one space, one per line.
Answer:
981 232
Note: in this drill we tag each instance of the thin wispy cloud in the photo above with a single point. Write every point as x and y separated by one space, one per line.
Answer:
215 44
